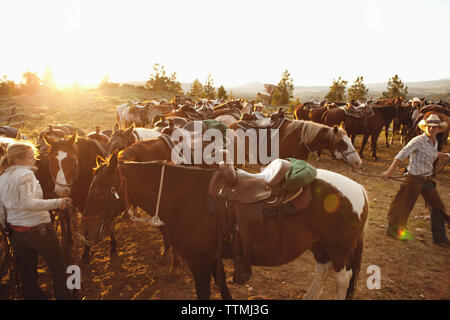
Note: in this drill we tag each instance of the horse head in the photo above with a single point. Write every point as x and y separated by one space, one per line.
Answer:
63 163
341 147
120 139
103 202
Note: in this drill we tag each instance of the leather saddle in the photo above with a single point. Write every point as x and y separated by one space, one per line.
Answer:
257 121
243 200
191 113
359 112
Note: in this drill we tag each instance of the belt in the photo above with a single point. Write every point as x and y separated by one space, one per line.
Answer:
420 177
27 229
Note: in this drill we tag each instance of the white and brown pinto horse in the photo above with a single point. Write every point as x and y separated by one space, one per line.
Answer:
331 225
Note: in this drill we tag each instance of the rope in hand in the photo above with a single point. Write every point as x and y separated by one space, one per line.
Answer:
400 178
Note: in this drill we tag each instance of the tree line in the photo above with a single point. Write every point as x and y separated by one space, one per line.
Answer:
358 90
160 80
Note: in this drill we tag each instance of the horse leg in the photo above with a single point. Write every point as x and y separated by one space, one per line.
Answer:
85 256
316 288
348 273
113 250
373 142
395 128
201 271
221 282
165 251
386 134
363 144
323 268
343 280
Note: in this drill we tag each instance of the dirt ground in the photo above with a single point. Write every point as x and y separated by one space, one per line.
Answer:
413 270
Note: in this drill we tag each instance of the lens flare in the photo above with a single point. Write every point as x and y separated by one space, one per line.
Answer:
331 203
404 235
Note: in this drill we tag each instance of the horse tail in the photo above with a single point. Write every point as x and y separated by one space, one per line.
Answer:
355 264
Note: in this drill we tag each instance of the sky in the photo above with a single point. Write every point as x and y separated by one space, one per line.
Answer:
236 41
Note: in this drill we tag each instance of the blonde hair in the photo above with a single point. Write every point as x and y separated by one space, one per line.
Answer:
15 151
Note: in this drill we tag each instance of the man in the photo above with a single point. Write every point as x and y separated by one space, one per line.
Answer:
422 152
416 105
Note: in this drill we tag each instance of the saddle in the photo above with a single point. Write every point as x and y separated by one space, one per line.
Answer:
359 112
255 121
136 108
191 113
244 200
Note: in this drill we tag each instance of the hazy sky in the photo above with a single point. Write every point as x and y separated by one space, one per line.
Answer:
237 41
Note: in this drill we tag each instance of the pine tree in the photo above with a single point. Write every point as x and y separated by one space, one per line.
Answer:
222 93
283 92
32 83
337 91
159 81
208 88
358 90
395 88
196 90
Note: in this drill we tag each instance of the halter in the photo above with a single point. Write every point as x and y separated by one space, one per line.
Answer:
113 194
344 153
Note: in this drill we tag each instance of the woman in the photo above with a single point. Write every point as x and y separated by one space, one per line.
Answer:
24 213
422 152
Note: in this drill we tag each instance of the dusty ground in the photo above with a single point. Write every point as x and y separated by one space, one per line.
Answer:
417 269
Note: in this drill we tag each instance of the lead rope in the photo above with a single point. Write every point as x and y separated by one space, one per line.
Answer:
155 220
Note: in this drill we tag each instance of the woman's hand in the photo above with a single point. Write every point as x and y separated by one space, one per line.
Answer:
65 203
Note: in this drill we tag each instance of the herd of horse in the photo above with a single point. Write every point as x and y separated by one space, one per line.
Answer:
371 117
110 172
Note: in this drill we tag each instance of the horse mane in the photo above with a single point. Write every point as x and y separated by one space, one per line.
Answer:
88 150
308 130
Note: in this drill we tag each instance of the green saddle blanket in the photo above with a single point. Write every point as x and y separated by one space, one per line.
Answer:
300 174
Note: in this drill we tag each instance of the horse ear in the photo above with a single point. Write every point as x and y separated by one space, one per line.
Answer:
48 140
116 127
99 161
113 160
19 135
335 129
129 131
73 139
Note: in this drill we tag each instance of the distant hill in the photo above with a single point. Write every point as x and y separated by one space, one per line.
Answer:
434 90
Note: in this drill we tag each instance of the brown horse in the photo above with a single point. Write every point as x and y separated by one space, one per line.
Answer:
389 110
298 138
331 225
403 122
355 126
315 115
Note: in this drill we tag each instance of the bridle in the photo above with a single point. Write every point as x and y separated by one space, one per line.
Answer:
106 220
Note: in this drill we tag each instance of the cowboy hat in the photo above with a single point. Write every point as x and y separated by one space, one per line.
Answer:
433 121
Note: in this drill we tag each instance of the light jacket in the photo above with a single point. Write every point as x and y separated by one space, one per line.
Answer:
21 195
